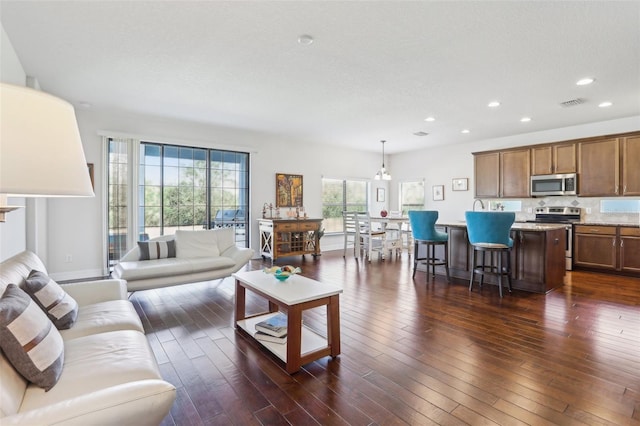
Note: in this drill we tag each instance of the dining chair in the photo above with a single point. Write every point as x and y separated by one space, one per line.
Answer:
488 232
371 239
351 232
424 232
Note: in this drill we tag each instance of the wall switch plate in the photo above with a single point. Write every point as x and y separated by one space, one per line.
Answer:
588 210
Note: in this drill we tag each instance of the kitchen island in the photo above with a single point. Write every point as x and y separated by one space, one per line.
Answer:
537 257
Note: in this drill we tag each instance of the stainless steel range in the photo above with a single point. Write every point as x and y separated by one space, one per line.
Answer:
562 216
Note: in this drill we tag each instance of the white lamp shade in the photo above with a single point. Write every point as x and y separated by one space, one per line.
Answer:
41 152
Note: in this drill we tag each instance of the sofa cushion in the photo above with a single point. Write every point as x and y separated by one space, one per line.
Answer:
61 308
132 271
29 339
192 244
112 358
112 315
157 249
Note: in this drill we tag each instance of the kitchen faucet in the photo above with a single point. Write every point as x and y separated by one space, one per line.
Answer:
474 204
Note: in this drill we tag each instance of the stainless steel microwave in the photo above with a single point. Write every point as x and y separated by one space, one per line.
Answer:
563 184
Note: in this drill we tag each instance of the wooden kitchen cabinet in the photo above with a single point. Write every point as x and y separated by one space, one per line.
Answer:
595 247
502 174
631 165
487 174
289 237
529 254
599 168
459 249
629 249
553 159
515 173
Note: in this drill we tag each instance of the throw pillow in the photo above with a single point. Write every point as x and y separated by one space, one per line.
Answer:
192 244
29 340
61 308
157 249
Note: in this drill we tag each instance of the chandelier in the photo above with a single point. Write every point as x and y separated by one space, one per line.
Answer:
382 173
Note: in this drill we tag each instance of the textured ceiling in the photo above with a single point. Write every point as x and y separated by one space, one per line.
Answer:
375 71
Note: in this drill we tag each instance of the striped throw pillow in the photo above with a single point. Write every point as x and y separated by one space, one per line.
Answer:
61 308
157 249
29 340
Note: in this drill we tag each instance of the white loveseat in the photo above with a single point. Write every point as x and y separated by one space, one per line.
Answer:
199 256
109 375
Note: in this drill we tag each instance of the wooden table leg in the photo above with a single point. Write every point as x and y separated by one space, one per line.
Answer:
240 301
294 339
333 325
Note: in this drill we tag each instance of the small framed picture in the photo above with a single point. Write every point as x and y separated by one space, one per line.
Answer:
461 184
380 195
438 192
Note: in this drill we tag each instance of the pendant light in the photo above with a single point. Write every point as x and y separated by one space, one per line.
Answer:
382 173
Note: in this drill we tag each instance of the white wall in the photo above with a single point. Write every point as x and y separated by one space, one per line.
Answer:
75 225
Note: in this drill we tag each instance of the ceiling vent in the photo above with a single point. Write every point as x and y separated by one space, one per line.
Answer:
421 133
572 102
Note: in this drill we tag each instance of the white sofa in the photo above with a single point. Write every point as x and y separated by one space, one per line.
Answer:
109 376
200 256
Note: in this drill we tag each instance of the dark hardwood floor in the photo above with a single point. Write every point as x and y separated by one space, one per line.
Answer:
411 353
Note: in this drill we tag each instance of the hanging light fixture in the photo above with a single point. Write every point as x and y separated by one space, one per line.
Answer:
382 173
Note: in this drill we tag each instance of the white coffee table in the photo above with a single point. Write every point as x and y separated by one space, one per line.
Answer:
292 296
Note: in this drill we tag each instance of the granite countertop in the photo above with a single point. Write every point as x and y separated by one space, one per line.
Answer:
627 225
518 226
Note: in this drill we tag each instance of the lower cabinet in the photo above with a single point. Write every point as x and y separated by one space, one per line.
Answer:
612 248
630 249
537 258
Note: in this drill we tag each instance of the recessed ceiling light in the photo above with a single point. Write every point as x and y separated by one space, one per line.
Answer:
430 119
305 39
585 81
525 119
465 131
85 105
605 104
493 104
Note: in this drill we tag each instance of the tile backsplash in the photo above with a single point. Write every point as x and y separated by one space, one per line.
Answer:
594 209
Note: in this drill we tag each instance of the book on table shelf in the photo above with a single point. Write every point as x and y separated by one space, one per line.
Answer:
274 326
259 335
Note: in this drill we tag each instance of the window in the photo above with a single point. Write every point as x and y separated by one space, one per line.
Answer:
340 195
118 189
411 196
179 187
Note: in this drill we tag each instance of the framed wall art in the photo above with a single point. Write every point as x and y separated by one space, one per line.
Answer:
380 195
438 192
460 184
288 190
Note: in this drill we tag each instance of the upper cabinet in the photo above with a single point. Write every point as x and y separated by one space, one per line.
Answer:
553 159
631 165
502 174
487 174
607 166
599 168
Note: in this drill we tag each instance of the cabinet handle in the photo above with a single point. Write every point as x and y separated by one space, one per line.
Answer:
621 243
617 189
521 238
614 242
624 189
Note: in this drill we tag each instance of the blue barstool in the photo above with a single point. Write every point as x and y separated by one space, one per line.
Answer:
423 229
489 232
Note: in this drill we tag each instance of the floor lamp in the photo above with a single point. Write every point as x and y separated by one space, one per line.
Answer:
41 152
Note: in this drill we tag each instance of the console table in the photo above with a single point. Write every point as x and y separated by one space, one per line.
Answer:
289 237
293 296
